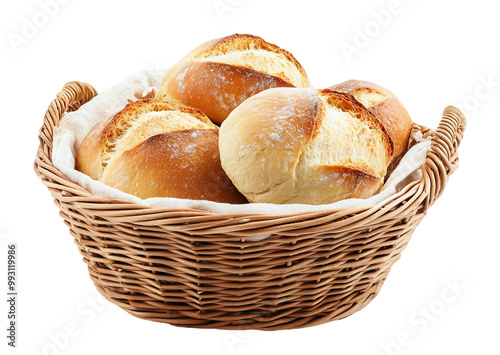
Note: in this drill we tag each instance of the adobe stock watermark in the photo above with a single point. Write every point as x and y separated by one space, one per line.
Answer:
85 313
11 287
422 318
486 87
234 339
31 26
364 35
222 7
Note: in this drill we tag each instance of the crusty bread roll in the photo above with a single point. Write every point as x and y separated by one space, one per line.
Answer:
385 106
220 74
153 148
291 145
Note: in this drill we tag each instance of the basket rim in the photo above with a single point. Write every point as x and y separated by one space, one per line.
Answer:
441 161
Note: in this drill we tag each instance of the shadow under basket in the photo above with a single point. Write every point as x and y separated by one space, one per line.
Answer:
194 268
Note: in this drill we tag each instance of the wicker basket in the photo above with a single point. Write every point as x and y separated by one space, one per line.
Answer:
194 268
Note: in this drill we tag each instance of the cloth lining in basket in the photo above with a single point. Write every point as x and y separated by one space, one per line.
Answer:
75 125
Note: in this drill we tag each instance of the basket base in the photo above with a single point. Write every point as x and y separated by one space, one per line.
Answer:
329 309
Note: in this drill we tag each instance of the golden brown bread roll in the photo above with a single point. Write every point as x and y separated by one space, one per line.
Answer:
153 148
290 145
220 74
385 106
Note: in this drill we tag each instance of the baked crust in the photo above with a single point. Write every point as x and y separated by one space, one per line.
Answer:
205 79
179 164
154 148
290 145
385 106
217 88
246 41
101 137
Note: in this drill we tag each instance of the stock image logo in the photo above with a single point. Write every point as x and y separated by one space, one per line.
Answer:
486 87
31 26
365 34
223 7
422 318
86 312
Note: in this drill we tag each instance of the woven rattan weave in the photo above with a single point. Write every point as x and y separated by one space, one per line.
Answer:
194 268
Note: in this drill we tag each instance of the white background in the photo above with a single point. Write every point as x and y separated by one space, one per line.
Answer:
430 53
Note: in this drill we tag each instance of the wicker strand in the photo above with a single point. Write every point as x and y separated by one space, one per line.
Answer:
194 268
442 158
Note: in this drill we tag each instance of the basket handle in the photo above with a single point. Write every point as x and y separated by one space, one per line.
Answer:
72 96
442 157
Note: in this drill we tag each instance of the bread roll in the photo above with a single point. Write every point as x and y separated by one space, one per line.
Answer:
153 148
385 106
220 74
291 145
